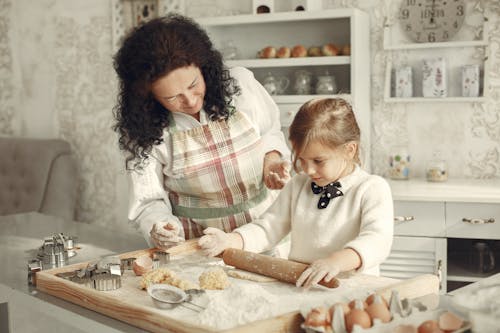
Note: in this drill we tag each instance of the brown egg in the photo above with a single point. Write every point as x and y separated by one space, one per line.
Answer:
450 322
329 50
346 50
405 329
429 326
314 51
369 299
357 317
378 310
352 304
319 316
142 264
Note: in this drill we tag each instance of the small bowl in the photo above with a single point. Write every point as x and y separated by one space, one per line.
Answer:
166 296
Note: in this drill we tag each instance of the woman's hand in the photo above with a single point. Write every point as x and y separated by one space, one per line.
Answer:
165 234
320 269
276 171
216 241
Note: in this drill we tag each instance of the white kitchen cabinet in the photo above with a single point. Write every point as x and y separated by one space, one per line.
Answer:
251 33
413 256
444 220
401 52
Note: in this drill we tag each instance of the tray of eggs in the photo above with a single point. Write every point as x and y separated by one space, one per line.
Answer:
375 315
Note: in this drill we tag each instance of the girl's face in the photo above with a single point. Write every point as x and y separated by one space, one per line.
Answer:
182 90
324 164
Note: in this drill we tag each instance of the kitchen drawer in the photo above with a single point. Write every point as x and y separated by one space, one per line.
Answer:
287 113
414 218
473 220
413 256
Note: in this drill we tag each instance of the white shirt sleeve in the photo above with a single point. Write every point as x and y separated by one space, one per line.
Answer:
374 241
256 103
267 231
148 199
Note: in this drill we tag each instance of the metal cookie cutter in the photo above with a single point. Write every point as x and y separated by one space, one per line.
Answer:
161 257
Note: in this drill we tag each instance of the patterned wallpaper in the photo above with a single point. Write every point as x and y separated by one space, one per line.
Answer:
85 87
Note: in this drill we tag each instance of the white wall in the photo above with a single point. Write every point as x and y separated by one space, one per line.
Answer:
56 80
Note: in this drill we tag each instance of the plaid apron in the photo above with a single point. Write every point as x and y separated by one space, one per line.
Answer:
217 175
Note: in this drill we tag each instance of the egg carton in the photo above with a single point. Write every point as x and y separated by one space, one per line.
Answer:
406 316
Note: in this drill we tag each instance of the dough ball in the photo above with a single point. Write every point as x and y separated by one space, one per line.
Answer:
214 278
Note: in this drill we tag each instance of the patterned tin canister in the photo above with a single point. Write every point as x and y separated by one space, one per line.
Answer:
470 80
404 82
434 78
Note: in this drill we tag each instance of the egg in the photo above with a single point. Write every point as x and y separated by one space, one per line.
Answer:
352 304
429 326
319 316
450 322
142 264
379 311
357 317
369 299
405 329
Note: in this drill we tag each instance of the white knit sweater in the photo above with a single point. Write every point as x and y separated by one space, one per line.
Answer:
361 219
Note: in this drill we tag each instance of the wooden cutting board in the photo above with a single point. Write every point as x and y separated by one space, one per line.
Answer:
122 304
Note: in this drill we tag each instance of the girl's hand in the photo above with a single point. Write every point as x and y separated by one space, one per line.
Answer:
320 269
216 241
165 234
276 171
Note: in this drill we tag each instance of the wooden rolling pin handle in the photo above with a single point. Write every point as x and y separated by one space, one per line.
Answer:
278 268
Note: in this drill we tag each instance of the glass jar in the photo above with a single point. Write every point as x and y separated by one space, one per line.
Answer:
399 163
326 85
436 169
302 85
275 85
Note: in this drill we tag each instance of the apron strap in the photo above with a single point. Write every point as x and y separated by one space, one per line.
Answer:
214 212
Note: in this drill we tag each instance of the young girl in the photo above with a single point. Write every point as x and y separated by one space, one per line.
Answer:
340 217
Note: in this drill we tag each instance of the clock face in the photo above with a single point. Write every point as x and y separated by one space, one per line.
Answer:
427 21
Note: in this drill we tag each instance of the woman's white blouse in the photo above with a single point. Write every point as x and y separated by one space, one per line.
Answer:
148 199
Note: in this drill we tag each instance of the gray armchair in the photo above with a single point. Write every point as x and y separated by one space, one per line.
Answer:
37 175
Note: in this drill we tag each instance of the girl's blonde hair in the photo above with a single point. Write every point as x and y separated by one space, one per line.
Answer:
329 121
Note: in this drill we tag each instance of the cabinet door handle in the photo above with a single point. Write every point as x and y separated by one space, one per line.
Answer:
478 221
439 273
399 218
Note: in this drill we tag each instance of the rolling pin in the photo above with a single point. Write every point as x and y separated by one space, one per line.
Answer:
278 268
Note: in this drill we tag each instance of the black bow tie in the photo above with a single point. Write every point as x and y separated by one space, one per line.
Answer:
329 191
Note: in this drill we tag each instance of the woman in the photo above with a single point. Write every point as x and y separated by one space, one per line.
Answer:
203 142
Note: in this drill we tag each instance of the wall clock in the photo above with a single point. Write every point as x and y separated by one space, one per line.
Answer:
427 21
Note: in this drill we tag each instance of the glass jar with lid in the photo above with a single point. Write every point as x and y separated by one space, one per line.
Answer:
326 84
437 168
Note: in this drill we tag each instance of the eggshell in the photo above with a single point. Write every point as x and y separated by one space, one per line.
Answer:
142 264
357 317
319 316
379 311
450 322
429 326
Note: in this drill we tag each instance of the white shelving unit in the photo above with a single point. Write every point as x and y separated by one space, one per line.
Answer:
251 33
415 52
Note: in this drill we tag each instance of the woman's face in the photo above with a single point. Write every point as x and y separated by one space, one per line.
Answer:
182 90
324 164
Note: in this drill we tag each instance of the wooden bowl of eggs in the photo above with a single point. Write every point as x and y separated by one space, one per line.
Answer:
375 315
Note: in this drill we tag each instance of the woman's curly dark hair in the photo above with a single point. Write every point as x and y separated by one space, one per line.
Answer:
150 52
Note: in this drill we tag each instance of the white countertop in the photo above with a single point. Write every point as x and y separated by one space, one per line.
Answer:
453 190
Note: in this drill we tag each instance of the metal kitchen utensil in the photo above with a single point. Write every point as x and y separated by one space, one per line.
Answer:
166 296
56 250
